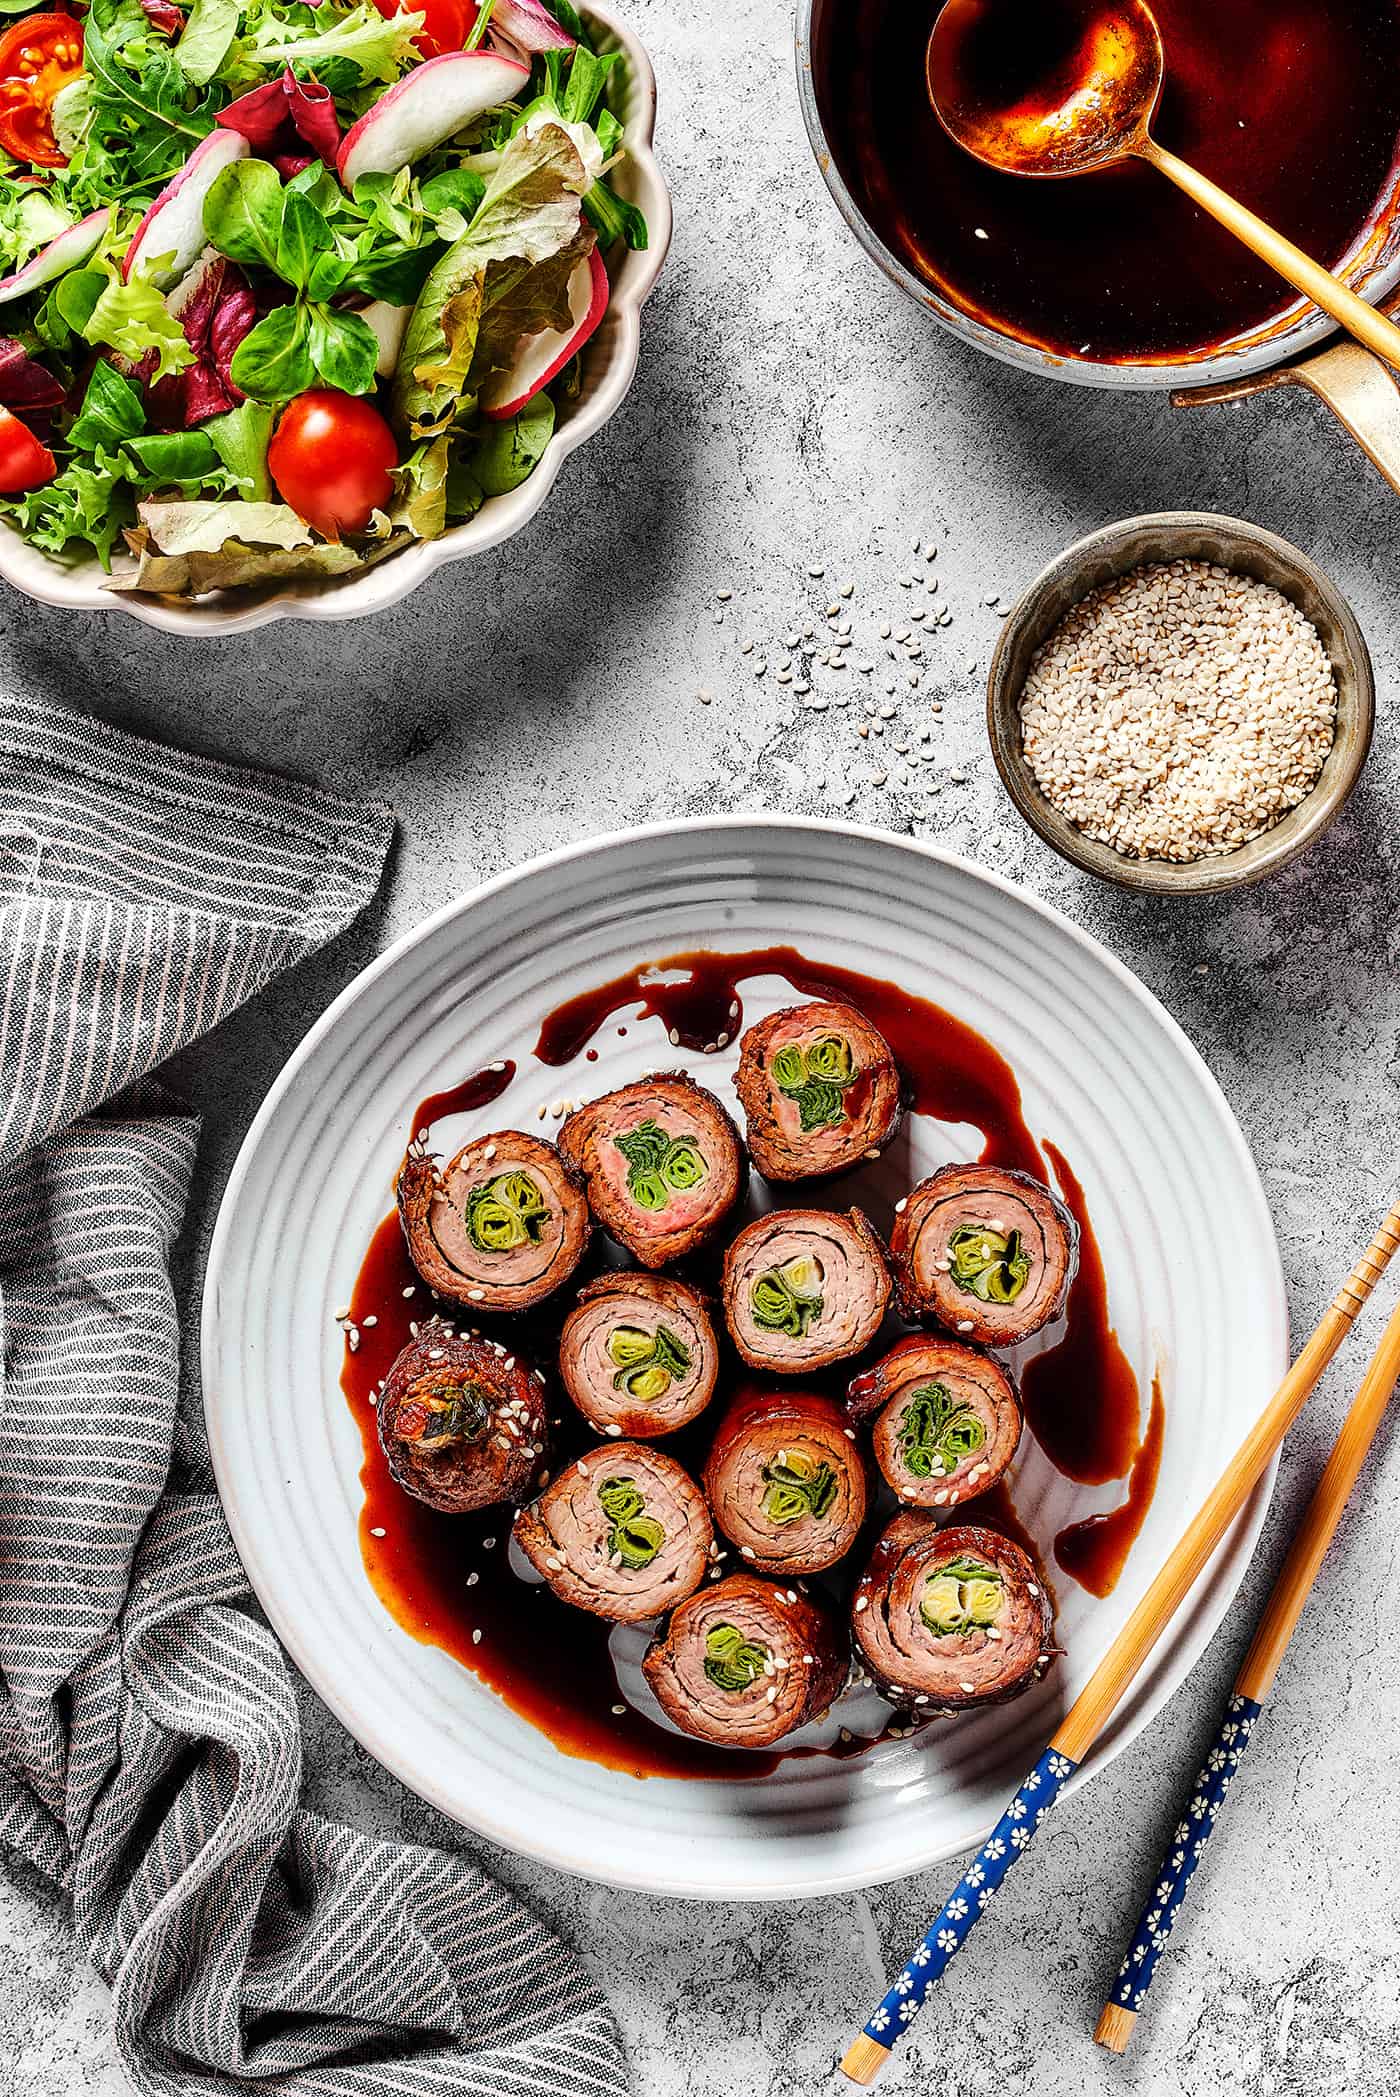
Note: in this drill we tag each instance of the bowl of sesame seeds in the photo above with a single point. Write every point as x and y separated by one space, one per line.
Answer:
1180 703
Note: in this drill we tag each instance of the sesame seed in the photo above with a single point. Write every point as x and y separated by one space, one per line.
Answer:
862 1604
964 1325
377 1532
1178 711
476 1638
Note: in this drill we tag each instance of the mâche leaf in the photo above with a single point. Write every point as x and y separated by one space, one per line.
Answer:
273 361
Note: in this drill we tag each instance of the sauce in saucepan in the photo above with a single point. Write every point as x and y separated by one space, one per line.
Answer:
1293 105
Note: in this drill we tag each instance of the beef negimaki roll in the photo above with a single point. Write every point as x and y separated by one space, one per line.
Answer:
622 1533
663 1163
990 1253
638 1354
947 1418
820 1091
803 1288
744 1662
502 1227
786 1482
948 1618
461 1421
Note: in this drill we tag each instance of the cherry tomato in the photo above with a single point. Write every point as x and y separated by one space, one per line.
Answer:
447 23
37 57
24 461
332 457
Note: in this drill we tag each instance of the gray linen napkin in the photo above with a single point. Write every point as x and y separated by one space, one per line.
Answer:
150 1756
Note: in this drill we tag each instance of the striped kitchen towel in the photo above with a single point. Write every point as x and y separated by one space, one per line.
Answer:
150 1756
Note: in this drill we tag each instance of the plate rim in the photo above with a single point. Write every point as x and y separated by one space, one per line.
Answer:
1212 1599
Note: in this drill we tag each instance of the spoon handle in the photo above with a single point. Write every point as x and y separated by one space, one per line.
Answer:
1299 269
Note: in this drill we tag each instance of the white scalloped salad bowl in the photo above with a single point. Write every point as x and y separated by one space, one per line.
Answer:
609 366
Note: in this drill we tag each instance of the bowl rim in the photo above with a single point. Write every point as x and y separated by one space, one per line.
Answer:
81 587
1218 873
1257 353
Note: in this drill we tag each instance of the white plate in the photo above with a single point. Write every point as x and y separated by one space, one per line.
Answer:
1104 1072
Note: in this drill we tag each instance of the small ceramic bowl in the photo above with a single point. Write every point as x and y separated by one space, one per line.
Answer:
1232 543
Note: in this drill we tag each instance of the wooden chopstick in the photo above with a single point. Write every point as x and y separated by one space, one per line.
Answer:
1101 1694
1252 1684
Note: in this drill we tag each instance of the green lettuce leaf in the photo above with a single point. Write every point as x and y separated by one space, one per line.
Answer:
503 454
381 48
529 213
241 438
133 319
29 219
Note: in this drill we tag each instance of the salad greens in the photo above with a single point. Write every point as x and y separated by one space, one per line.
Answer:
245 366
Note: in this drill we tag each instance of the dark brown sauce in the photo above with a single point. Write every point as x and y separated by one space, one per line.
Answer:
954 1072
550 1663
1292 105
478 1090
1081 1397
1095 1551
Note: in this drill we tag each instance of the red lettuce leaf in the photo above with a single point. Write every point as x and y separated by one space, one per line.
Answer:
27 388
282 118
218 313
163 15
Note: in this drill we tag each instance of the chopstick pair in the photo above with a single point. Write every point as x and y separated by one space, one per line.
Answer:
1252 1684
1101 1695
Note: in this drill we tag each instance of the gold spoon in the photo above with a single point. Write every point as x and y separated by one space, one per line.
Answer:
1060 87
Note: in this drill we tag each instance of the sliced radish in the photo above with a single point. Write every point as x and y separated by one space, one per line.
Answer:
174 225
387 324
425 107
64 252
530 26
543 357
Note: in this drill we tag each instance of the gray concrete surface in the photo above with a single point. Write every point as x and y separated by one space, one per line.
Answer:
792 411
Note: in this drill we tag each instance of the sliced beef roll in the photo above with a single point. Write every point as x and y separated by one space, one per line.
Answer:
948 1618
819 1089
638 1354
663 1163
991 1254
786 1482
743 1663
947 1418
461 1421
502 1227
803 1288
623 1533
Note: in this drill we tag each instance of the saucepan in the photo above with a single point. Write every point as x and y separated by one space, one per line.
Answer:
1292 350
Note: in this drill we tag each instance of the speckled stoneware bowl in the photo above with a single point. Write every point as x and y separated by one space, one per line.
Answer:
1172 535
609 365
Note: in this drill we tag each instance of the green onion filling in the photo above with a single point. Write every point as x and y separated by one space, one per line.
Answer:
506 1212
646 1363
436 1412
635 1536
732 1661
991 1265
937 1432
961 1597
788 1299
798 1485
659 1166
815 1078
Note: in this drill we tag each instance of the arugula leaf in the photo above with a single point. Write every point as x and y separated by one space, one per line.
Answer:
204 43
143 115
273 361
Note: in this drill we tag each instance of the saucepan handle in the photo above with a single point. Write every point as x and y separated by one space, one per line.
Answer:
1349 380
